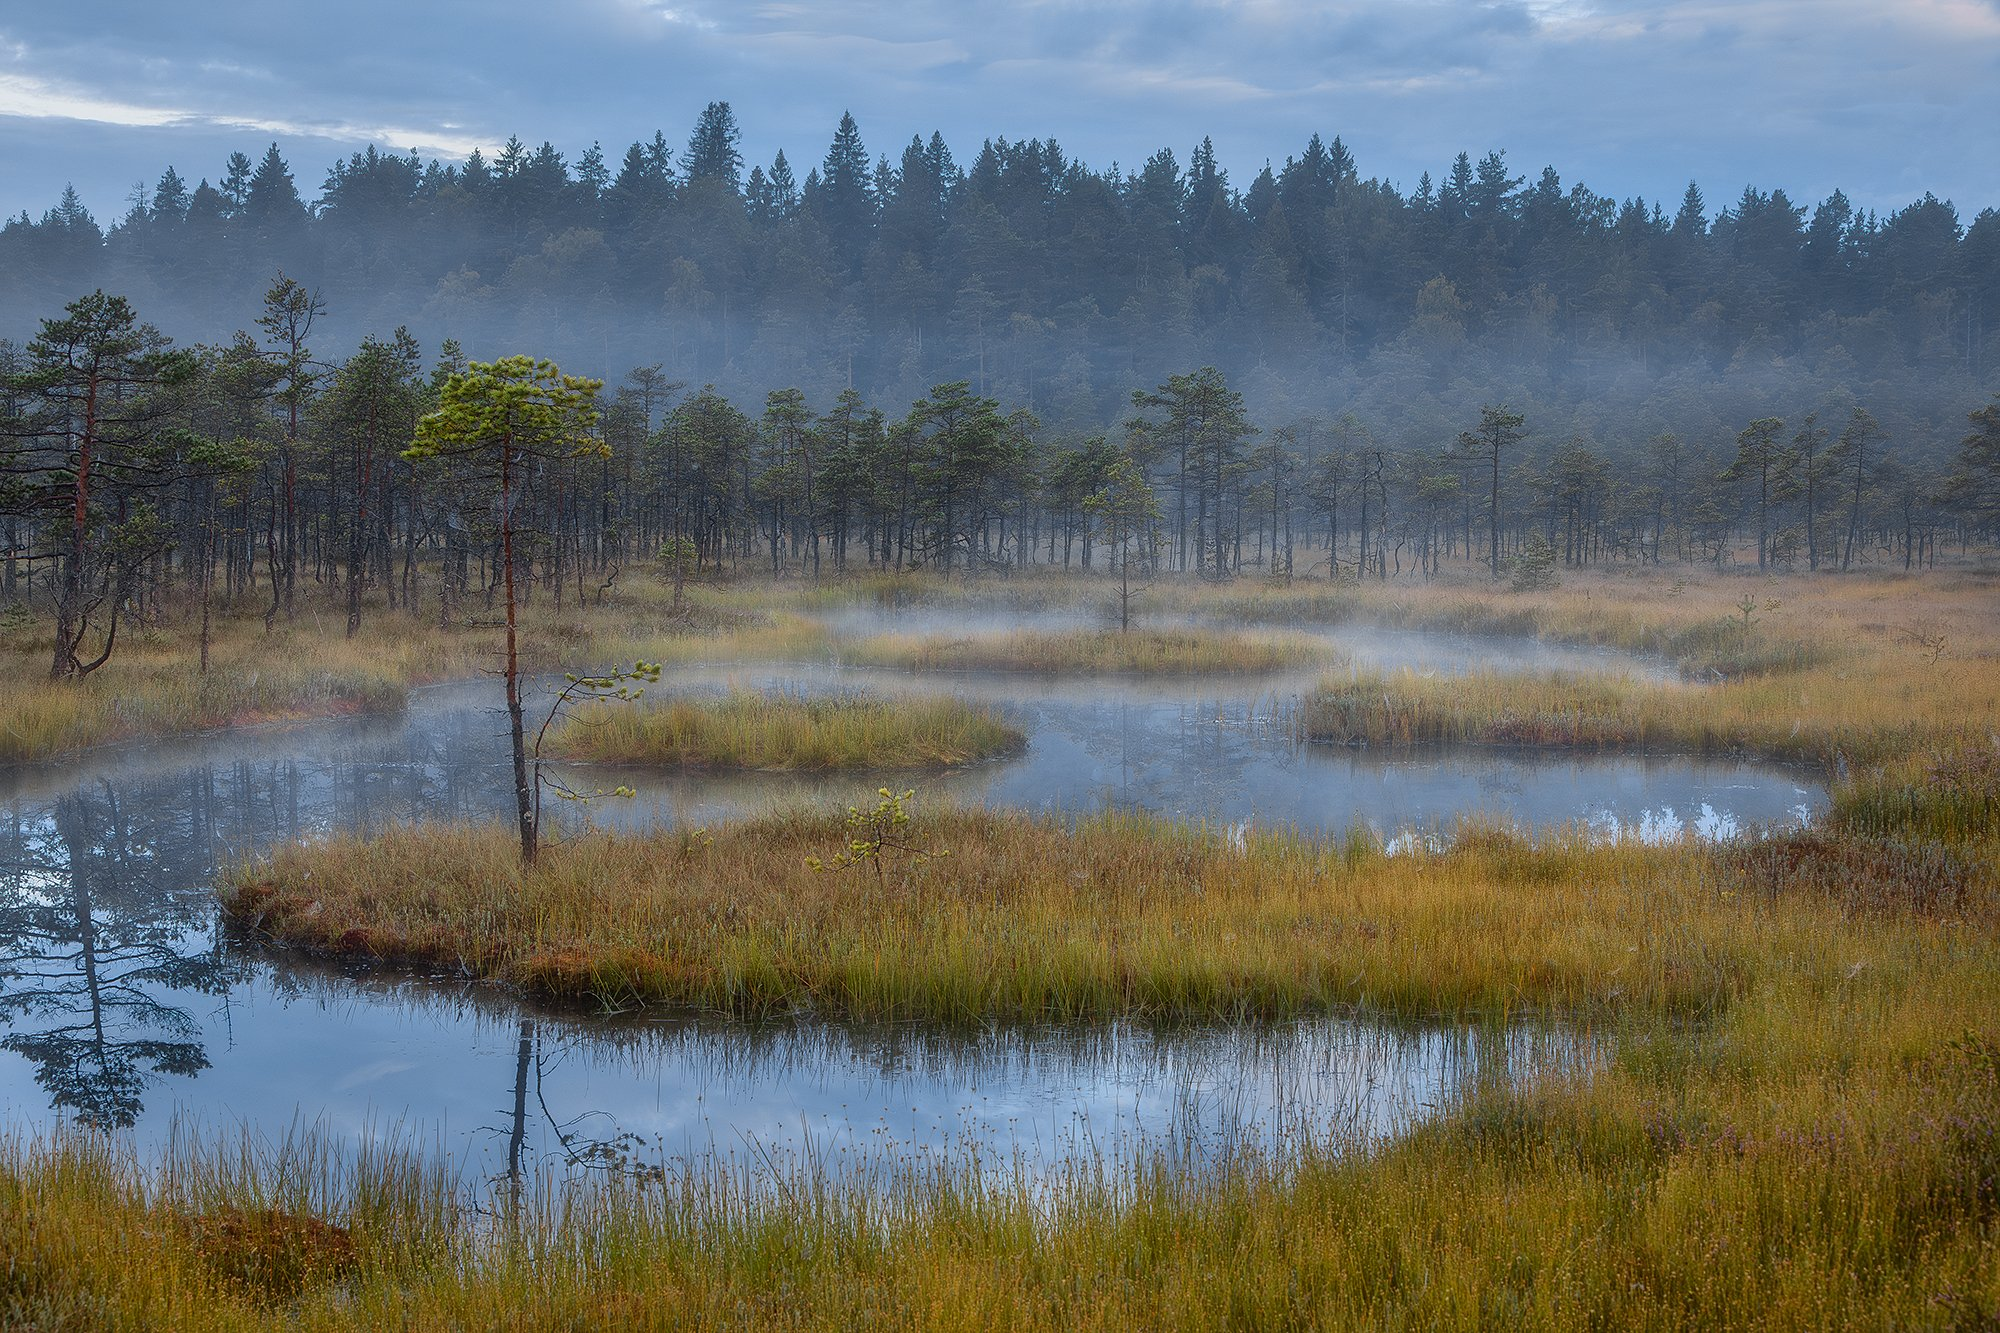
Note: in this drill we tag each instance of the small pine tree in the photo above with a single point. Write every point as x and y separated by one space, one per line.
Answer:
1534 568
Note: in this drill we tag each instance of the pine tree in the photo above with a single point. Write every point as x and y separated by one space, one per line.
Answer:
497 421
170 198
844 203
236 182
712 152
1499 431
1763 460
86 454
271 201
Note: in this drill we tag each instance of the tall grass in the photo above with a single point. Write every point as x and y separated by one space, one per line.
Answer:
157 692
1026 918
1797 1123
1816 630
1698 622
1949 797
1859 1196
307 667
1872 709
1580 712
1138 652
776 730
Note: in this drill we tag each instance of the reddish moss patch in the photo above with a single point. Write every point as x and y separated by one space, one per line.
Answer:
271 1253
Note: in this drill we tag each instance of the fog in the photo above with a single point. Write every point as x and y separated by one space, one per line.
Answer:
1061 289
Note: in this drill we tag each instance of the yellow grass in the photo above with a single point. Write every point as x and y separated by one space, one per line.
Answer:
1796 1123
1025 918
776 730
1891 686
1824 715
306 667
1137 652
1772 1173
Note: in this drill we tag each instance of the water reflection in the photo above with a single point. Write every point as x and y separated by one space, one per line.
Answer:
540 1093
103 924
1225 753
124 1004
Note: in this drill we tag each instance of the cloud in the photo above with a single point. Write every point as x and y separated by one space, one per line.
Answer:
32 100
1886 98
36 99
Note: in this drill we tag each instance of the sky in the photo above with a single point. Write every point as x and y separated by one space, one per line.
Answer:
1886 99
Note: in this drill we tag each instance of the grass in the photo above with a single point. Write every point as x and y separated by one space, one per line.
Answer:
306 667
1826 720
1797 628
1096 652
776 730
1873 681
1710 1182
1699 625
1795 1124
1695 619
156 695
1029 919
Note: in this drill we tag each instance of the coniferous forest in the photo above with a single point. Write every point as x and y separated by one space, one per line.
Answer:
922 361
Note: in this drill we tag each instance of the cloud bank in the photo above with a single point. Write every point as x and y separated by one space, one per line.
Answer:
1885 100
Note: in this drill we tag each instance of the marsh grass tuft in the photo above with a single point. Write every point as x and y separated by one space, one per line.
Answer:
1136 652
1950 796
782 731
272 1253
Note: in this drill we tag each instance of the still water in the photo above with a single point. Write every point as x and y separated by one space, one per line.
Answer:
124 1002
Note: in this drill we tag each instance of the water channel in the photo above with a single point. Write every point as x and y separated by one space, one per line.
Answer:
125 1003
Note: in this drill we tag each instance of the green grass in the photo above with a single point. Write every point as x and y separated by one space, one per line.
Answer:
776 730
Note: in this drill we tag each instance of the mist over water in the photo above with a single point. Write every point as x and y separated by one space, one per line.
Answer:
128 1003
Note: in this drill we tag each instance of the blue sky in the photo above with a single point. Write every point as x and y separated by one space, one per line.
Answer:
1883 99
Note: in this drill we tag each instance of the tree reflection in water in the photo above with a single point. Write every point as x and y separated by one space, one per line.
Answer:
108 924
100 932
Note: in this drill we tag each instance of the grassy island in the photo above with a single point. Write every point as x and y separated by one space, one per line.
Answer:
779 731
1161 652
1023 918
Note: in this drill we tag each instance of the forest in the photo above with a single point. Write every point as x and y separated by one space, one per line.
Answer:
1059 287
135 468
918 363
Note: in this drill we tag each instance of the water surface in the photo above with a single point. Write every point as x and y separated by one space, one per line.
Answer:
124 1001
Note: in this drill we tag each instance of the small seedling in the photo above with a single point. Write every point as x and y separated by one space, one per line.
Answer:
876 832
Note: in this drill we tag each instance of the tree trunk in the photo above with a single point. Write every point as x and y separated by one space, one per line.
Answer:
524 797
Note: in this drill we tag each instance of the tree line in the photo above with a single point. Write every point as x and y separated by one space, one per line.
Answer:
137 476
1048 283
